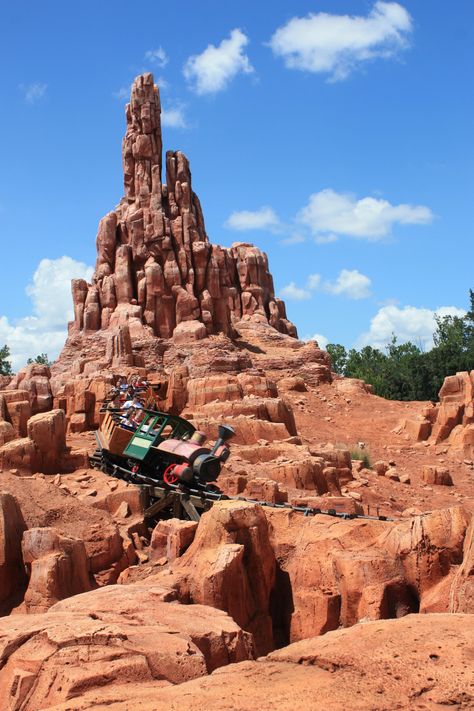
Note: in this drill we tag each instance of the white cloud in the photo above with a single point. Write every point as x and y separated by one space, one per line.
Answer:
321 340
33 92
369 218
263 219
157 56
46 329
408 323
314 280
338 44
350 283
291 291
294 238
173 117
122 94
212 70
326 239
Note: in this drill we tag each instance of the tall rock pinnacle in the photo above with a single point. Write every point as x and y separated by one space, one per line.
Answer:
156 270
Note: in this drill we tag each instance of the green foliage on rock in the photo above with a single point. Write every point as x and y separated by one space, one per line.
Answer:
5 365
41 359
405 371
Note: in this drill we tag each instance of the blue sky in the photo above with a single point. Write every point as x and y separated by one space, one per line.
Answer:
336 135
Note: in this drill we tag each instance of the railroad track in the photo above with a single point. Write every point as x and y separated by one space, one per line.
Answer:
178 501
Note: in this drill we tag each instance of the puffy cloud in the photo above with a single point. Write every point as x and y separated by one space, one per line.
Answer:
326 239
263 219
157 56
329 213
213 69
408 324
314 280
291 291
338 44
173 117
294 238
46 329
350 283
33 92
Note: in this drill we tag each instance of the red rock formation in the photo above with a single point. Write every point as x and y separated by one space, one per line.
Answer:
452 421
45 447
420 662
231 566
58 567
59 657
218 638
156 271
12 526
35 380
335 573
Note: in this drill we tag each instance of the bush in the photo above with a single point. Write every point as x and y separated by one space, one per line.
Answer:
361 455
5 365
405 371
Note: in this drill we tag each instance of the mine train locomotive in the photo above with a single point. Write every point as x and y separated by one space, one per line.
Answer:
166 457
162 449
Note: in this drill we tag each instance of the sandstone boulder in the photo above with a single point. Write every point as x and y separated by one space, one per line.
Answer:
58 568
436 475
231 566
365 667
12 573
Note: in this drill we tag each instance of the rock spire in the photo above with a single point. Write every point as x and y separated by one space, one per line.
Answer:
156 270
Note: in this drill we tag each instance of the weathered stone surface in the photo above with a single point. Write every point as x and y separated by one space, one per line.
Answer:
338 572
461 594
171 538
215 634
433 474
15 407
156 271
34 378
58 657
231 566
365 667
58 566
48 432
12 526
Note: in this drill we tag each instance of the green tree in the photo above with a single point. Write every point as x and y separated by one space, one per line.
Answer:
41 359
5 364
368 364
338 357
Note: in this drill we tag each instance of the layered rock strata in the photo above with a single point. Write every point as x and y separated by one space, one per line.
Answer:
156 270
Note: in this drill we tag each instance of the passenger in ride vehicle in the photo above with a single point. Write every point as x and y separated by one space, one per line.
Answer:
126 421
115 403
122 384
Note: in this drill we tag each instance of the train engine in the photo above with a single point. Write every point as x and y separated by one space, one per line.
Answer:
160 448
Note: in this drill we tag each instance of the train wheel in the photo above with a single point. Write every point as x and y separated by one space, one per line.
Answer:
169 475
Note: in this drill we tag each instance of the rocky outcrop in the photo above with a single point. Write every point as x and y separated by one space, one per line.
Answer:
15 408
156 271
420 662
462 588
34 379
58 568
44 449
452 421
335 573
12 526
108 641
231 566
